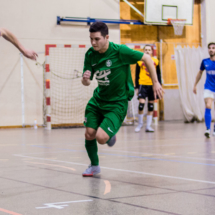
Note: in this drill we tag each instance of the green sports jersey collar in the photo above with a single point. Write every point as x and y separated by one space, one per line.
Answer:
106 52
101 56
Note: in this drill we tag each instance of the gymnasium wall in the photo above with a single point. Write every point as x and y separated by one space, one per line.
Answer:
208 8
152 35
34 23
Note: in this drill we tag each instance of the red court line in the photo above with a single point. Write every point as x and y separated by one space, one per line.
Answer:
9 212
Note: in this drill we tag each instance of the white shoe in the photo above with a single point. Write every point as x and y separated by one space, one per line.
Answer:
207 133
138 128
150 129
91 171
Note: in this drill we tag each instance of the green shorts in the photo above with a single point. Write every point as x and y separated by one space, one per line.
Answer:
107 115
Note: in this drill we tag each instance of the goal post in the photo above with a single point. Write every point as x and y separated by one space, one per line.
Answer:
64 97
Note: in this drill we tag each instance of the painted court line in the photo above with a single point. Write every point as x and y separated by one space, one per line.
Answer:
158 145
8 145
64 167
124 170
141 153
140 157
9 212
61 205
37 153
163 155
146 155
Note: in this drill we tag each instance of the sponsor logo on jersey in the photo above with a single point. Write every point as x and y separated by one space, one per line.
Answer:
94 64
110 129
108 63
212 72
102 78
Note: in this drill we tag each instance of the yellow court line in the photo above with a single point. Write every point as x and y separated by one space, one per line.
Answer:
148 155
161 140
8 144
46 158
35 144
107 187
127 171
27 159
65 167
4 160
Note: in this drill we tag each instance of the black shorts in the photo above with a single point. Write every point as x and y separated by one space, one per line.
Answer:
146 91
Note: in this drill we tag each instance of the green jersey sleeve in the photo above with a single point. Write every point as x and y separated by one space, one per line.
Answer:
129 56
88 66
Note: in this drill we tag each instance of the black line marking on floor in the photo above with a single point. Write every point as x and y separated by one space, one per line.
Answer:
144 207
89 196
154 194
148 186
208 188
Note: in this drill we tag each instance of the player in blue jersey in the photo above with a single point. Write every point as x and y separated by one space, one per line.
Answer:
209 89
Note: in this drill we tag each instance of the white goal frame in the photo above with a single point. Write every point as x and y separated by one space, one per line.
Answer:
47 109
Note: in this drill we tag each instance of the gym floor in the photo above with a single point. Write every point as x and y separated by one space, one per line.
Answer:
171 171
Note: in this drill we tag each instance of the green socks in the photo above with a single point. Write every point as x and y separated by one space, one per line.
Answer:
92 150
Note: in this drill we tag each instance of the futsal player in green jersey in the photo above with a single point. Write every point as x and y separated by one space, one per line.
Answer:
109 63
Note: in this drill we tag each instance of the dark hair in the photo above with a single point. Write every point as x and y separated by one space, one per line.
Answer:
99 27
148 46
152 48
212 43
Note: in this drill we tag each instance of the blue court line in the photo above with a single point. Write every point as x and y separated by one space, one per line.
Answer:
39 146
131 156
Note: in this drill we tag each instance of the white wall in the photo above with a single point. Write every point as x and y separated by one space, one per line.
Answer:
208 17
172 105
34 23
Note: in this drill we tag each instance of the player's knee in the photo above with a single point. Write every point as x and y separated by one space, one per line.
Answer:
150 107
208 105
101 139
141 106
89 136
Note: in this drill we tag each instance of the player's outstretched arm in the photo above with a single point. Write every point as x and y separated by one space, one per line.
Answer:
158 90
86 78
198 77
12 38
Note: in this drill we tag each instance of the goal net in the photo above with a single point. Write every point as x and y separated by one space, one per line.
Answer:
65 98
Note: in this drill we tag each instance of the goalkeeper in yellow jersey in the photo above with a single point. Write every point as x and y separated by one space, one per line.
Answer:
144 90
